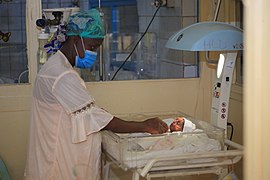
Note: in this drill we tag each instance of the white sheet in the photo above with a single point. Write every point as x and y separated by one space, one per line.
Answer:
138 151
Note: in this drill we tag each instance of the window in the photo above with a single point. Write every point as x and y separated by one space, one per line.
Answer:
13 52
125 23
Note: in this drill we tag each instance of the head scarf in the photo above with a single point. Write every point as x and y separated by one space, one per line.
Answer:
86 24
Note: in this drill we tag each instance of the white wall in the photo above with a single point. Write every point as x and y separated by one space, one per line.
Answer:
257 88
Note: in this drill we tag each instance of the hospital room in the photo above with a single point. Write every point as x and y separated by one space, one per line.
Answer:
134 90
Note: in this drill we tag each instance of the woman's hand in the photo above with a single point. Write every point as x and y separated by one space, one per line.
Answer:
155 126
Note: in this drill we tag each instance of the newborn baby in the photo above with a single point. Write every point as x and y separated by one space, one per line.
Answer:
182 124
177 124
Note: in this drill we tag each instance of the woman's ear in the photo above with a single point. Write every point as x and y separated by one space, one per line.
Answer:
75 39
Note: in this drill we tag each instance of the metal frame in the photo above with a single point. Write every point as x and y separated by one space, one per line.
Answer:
224 159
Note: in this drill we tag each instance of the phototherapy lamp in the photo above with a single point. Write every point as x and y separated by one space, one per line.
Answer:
213 36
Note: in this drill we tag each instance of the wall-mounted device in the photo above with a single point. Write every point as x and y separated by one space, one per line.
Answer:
58 16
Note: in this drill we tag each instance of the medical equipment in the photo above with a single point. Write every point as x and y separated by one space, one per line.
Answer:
134 152
172 154
56 16
42 53
213 36
52 31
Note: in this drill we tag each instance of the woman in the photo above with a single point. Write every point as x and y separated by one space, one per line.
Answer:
64 140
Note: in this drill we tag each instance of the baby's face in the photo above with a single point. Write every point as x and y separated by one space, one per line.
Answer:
177 124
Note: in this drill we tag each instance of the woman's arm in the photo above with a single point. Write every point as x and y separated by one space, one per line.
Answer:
152 125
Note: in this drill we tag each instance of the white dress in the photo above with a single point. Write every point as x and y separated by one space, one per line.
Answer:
64 145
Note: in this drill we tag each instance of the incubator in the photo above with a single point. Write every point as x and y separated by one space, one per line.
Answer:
201 151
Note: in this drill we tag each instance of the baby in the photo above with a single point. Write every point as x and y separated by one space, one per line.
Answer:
182 124
178 124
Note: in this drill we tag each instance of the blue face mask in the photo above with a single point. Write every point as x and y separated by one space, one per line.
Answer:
87 61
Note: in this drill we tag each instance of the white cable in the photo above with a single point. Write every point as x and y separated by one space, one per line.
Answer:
99 4
19 79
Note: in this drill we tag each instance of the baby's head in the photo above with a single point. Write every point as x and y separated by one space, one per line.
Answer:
182 124
177 124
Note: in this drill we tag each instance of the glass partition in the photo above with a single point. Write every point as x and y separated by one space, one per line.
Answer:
126 22
138 63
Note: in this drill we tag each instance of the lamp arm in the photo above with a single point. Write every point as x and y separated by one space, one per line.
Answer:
217 10
210 61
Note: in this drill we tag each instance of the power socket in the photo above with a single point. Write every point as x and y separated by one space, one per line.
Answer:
158 3
164 3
